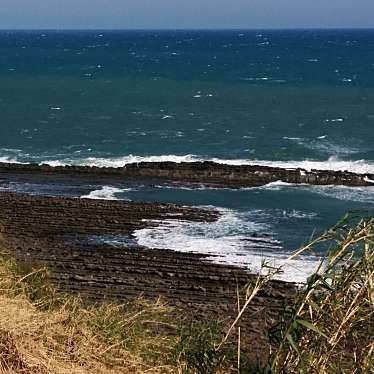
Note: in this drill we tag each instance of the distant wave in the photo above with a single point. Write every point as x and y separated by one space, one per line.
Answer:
325 146
357 166
347 193
332 163
9 160
356 194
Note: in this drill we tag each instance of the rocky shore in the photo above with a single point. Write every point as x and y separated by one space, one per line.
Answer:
193 173
61 233
65 235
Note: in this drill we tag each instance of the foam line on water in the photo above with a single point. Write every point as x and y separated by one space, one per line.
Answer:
356 194
198 187
229 240
9 160
346 193
333 163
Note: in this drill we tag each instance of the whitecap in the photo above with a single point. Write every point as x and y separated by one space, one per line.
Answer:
299 214
276 185
10 160
54 163
106 193
332 163
366 179
292 138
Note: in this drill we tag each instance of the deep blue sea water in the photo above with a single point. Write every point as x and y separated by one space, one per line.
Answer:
288 98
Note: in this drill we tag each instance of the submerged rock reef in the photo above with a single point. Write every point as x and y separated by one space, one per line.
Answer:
197 173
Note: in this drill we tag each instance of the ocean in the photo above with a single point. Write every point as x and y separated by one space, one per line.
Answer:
282 98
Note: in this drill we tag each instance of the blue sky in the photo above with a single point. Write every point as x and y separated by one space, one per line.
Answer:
172 14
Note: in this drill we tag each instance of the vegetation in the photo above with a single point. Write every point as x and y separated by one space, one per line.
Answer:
42 331
328 329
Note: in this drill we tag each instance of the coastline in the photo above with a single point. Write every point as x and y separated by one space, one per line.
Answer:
57 233
64 234
206 173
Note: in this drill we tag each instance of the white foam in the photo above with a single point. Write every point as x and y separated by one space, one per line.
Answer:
297 214
227 241
277 184
322 144
345 193
293 138
366 179
105 193
356 194
357 166
121 161
56 163
9 160
332 163
334 120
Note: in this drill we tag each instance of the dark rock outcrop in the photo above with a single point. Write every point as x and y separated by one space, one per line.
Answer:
196 173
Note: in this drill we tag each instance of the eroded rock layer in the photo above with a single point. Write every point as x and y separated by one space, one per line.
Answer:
56 232
206 173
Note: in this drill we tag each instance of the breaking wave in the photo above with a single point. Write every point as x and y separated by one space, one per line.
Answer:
357 166
332 163
106 193
236 239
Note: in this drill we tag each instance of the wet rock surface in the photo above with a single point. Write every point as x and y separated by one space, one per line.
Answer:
194 173
52 231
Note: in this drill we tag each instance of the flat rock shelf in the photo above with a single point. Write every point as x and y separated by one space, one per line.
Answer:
53 232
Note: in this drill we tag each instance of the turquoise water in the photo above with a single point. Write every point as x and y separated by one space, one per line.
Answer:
288 98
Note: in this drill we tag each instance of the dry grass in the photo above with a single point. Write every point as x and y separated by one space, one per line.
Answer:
41 332
329 328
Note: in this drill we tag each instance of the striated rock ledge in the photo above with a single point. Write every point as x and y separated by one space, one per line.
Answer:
53 232
200 173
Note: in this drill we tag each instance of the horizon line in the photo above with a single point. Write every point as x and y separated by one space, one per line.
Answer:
196 29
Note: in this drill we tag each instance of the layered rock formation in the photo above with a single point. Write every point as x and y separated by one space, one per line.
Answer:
58 232
200 173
